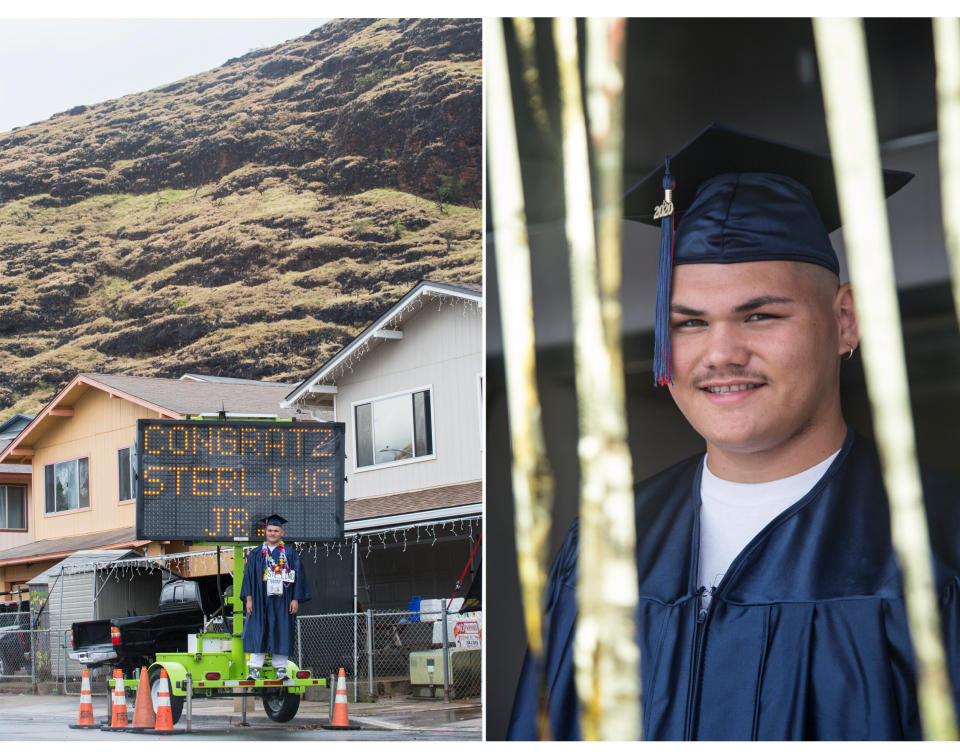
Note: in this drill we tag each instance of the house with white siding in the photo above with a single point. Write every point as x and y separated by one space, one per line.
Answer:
409 389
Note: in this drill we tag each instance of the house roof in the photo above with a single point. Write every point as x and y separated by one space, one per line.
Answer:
46 549
12 426
82 560
171 399
367 340
187 397
12 468
189 377
437 502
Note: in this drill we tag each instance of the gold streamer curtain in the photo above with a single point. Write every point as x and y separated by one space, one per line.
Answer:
845 75
606 655
532 481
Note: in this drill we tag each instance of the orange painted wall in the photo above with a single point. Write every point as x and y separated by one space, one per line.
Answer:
100 426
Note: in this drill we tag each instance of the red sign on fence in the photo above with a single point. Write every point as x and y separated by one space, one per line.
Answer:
467 633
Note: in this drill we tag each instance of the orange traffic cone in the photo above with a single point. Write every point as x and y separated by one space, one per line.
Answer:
164 717
164 714
143 717
341 720
86 704
118 720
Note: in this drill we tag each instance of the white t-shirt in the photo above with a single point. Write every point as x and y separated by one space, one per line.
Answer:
733 513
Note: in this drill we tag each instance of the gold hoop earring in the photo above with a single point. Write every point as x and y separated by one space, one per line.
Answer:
849 355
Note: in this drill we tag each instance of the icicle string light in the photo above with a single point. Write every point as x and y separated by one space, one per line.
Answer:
187 563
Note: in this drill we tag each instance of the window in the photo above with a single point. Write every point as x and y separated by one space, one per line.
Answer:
13 507
67 485
397 428
127 478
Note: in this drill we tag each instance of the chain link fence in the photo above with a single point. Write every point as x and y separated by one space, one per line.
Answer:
386 654
20 620
68 674
383 654
27 655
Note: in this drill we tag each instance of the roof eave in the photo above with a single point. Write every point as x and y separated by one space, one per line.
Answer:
80 379
429 515
422 288
67 553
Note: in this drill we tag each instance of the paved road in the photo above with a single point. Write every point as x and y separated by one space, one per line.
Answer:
26 717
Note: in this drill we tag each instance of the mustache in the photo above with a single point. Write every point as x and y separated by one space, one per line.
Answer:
727 375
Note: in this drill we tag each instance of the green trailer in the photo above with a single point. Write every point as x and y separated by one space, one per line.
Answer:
215 666
221 478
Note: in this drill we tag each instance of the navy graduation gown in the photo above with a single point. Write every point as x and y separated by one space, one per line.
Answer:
805 638
270 628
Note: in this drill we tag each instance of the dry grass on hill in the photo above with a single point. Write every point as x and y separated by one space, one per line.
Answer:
263 284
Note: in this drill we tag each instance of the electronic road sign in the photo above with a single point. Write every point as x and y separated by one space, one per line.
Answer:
212 481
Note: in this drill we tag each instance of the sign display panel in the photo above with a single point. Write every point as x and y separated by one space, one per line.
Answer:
211 481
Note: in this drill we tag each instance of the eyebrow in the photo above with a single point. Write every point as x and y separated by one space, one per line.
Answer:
761 301
746 306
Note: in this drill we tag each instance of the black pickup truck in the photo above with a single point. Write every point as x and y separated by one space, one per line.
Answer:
131 642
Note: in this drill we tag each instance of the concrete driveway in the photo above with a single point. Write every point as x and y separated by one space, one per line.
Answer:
27 717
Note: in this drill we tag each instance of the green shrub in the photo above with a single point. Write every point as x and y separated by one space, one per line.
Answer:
366 82
450 189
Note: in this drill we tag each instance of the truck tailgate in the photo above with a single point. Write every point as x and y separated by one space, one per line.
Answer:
91 633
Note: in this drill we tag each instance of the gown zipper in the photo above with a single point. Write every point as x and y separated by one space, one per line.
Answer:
702 606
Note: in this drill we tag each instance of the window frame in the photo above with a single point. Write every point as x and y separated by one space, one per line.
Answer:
132 447
78 509
26 505
386 396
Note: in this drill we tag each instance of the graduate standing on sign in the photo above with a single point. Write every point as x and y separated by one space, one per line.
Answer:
273 586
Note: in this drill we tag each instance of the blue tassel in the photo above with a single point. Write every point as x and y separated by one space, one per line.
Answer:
662 370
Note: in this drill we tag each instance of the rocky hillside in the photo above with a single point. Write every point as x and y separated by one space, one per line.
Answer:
246 221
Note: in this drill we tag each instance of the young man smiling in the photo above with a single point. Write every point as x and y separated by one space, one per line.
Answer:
273 586
756 363
770 603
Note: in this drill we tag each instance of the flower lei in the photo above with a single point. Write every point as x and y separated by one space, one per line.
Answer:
277 567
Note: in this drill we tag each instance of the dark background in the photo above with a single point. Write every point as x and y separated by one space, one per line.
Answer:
760 76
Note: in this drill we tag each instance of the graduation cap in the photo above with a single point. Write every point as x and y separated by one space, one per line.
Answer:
274 520
729 196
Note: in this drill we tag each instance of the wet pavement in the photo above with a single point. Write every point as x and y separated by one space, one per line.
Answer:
25 717
421 715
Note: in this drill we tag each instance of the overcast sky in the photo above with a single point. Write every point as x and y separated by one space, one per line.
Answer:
50 65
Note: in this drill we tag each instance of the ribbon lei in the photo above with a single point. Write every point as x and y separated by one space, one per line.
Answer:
271 565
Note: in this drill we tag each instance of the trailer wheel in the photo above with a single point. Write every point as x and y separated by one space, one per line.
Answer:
176 702
281 706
